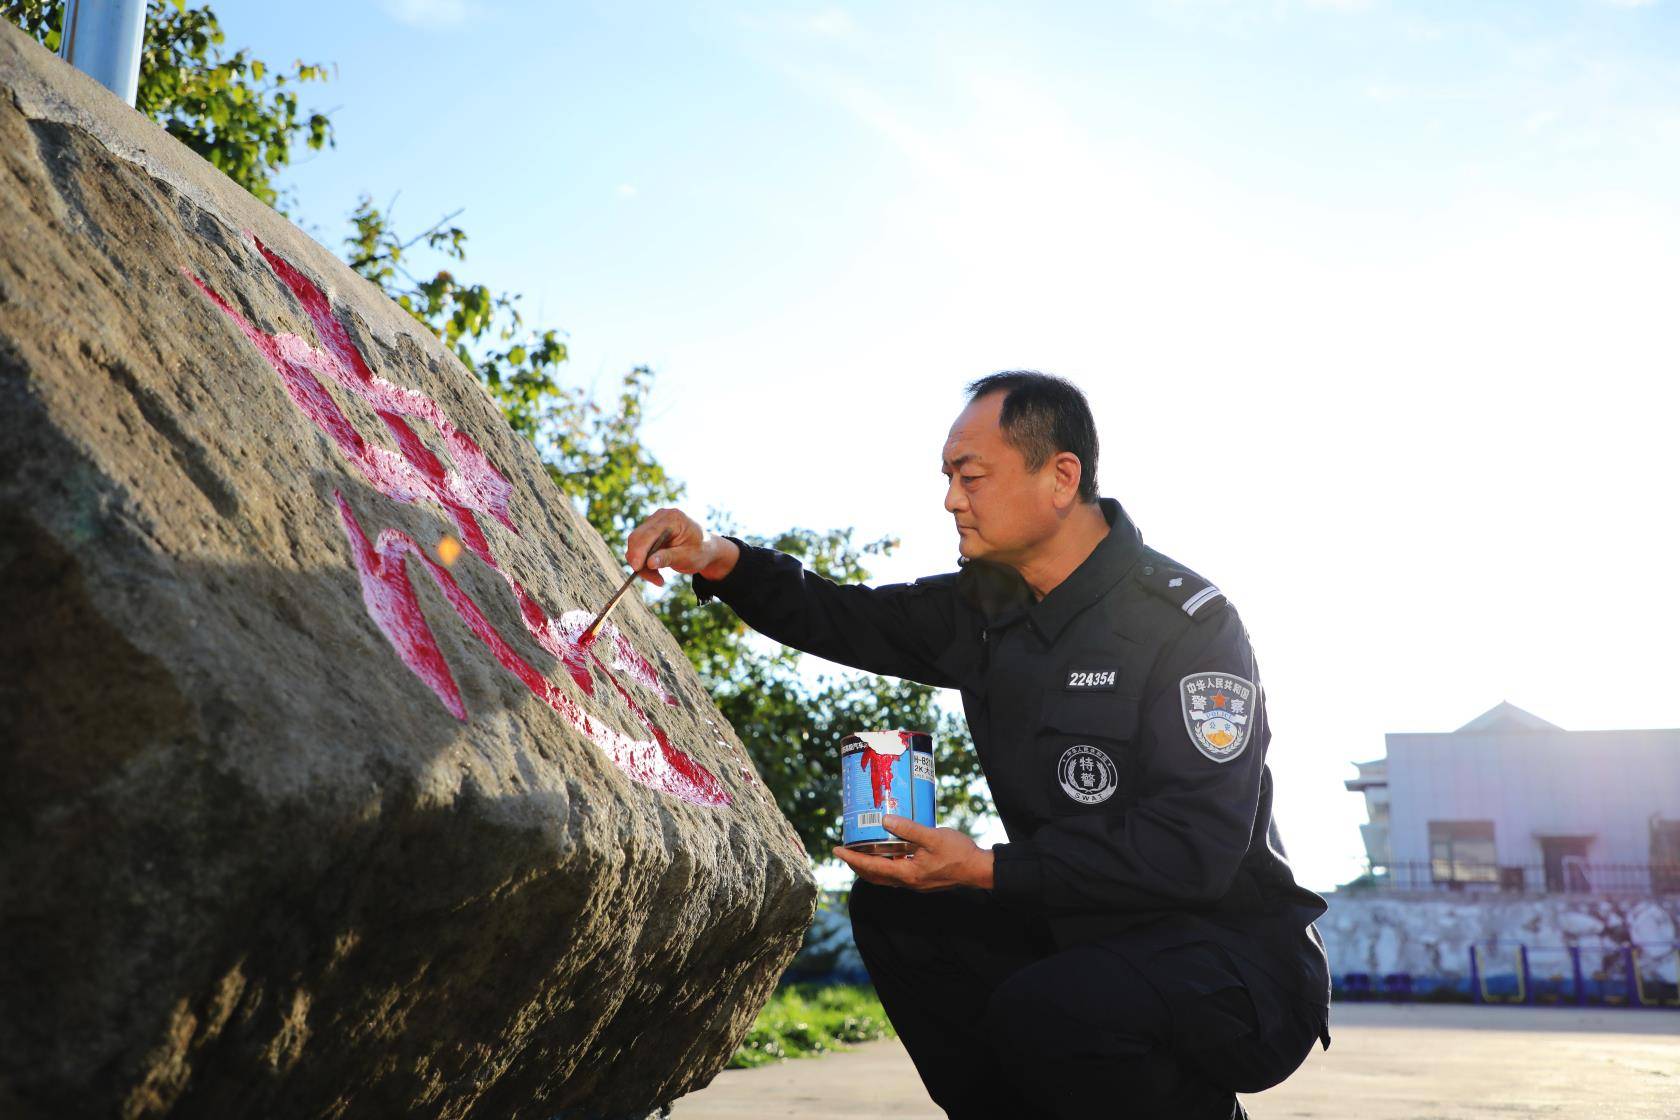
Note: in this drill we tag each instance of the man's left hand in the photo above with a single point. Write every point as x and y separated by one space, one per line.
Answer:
942 857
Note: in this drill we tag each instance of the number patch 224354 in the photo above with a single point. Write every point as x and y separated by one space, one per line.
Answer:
1091 679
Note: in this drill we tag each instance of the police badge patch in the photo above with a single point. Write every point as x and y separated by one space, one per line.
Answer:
1087 775
1218 709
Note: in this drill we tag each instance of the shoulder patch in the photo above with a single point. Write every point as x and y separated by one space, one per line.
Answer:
1181 587
1217 709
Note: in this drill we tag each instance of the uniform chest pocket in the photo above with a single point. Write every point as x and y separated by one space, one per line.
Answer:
1085 751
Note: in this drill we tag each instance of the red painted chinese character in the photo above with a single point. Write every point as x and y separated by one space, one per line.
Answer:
413 473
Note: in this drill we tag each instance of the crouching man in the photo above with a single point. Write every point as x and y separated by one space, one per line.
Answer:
1139 947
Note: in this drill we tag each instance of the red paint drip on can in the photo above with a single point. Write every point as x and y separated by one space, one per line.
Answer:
880 768
899 770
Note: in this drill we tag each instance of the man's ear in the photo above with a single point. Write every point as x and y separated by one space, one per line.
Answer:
1069 470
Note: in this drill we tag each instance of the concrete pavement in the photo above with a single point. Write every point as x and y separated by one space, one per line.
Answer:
1388 1062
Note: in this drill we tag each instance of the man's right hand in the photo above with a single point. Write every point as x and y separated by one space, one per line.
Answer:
689 550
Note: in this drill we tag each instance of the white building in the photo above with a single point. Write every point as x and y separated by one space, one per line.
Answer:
1511 802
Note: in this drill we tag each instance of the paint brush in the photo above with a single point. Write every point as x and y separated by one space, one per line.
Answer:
588 635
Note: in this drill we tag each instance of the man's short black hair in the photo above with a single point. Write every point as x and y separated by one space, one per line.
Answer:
1044 415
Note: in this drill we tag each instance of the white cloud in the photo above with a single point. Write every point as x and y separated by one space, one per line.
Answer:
1242 16
1395 93
429 13
627 190
832 21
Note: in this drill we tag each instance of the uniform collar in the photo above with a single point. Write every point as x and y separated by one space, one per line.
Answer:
1002 596
1112 558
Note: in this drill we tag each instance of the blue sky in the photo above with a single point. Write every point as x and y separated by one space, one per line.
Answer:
1374 301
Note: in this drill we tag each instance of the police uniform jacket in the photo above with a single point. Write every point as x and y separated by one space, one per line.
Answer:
1121 725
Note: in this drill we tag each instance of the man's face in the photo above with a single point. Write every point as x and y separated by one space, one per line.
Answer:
1002 510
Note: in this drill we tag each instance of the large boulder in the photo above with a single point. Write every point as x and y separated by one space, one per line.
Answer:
311 801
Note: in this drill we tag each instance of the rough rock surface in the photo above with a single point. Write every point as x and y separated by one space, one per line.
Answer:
298 818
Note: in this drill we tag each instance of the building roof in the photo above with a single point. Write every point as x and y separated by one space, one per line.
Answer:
1373 773
1506 716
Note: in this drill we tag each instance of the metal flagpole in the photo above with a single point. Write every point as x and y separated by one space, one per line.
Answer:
102 39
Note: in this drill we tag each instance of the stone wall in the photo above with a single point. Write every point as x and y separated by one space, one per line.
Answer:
1429 935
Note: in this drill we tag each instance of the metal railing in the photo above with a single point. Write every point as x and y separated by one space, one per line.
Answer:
1570 876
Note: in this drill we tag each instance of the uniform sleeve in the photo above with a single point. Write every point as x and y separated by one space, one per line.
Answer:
1201 764
897 629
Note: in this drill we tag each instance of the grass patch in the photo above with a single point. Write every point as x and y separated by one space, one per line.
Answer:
804 1020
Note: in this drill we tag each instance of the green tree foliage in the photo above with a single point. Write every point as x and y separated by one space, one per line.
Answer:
236 111
519 365
243 115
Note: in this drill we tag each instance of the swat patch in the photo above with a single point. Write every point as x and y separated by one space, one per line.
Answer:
1087 775
1218 709
1091 680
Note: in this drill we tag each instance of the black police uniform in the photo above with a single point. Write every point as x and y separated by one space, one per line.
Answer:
1144 950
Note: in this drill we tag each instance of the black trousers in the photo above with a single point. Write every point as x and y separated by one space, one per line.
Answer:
1001 1023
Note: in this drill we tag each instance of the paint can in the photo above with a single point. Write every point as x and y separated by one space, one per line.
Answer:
884 772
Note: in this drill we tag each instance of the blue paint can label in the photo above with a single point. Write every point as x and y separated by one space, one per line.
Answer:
884 772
